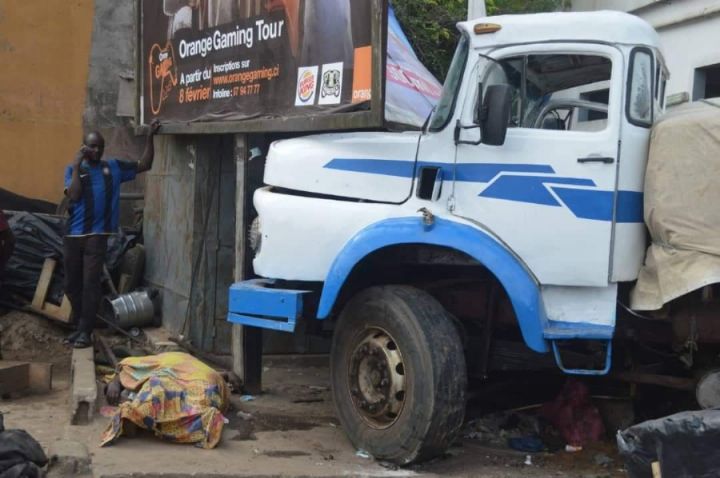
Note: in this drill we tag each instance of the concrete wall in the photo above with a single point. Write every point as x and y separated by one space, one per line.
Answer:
689 33
44 49
112 71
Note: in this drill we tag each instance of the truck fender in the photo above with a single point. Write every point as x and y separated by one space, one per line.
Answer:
520 285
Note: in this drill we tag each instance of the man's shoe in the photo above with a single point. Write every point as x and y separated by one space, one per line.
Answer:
82 341
71 338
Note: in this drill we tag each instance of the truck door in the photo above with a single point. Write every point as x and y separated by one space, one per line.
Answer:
549 192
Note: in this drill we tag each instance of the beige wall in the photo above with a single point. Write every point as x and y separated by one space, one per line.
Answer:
44 50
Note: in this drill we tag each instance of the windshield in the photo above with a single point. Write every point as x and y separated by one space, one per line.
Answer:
446 105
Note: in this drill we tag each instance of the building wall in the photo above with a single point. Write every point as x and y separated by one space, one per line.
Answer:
44 47
689 33
622 5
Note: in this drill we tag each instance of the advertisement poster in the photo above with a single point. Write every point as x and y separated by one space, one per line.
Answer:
229 60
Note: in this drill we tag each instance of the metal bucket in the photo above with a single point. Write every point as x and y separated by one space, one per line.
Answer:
135 309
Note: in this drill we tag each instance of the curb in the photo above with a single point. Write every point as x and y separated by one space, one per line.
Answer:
84 387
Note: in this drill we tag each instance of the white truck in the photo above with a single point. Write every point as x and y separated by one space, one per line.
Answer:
517 211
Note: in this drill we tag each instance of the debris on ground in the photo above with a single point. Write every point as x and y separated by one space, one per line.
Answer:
39 237
177 397
363 454
20 454
27 337
247 398
496 429
601 459
684 444
387 465
532 444
574 415
244 415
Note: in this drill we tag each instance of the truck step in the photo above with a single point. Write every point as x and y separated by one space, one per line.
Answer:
255 303
583 371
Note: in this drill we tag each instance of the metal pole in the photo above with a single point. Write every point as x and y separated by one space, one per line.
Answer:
476 9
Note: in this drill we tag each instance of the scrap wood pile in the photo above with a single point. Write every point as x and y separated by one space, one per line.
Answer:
40 237
34 279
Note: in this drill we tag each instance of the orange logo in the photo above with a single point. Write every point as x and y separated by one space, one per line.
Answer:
163 75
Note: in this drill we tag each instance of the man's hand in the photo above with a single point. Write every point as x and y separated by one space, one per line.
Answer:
83 153
113 391
154 127
147 158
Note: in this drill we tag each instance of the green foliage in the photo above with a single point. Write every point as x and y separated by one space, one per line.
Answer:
430 24
430 27
502 7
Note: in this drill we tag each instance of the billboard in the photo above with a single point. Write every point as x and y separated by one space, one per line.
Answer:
237 61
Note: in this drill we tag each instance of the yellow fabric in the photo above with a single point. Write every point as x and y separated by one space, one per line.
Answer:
176 396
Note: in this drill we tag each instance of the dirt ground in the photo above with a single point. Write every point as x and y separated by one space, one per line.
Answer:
27 337
288 431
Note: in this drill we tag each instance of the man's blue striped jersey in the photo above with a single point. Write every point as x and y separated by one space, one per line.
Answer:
98 209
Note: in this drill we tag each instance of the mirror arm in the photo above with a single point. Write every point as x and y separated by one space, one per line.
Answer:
459 127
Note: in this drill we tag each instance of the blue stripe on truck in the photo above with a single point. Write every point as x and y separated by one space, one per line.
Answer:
590 204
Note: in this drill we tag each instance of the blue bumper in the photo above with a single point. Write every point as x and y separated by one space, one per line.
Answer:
255 303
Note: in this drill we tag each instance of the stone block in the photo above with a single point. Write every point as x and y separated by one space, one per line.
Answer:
84 387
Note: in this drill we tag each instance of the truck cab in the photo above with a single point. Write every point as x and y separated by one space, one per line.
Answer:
517 211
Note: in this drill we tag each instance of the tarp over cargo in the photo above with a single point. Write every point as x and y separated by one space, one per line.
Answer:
682 194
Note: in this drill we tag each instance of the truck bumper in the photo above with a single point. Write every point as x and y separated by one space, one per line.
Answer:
256 303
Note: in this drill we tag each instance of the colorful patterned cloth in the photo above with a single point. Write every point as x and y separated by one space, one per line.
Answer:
177 397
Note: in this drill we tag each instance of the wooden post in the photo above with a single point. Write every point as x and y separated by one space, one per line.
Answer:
246 342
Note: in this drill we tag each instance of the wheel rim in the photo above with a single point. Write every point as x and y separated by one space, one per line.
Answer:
377 378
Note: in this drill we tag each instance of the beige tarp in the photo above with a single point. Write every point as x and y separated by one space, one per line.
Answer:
682 206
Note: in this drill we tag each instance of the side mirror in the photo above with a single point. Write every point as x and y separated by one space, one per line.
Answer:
494 114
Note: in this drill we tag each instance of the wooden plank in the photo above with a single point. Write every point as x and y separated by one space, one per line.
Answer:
246 342
40 377
656 472
14 377
54 312
39 304
65 309
123 287
43 283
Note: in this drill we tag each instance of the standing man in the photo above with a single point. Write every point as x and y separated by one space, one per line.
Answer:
93 186
7 242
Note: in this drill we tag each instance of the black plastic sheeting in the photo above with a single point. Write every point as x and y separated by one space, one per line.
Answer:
686 445
39 237
21 456
10 201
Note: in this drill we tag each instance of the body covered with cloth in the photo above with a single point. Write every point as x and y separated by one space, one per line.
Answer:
174 395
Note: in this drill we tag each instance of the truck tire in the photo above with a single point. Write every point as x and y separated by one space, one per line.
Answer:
398 374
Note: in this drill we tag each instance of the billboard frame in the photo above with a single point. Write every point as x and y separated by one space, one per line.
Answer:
372 119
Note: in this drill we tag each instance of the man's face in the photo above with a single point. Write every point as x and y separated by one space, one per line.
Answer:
96 144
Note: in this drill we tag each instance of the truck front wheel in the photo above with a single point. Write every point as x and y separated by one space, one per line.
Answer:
398 374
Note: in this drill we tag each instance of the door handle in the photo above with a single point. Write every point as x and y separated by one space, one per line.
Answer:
596 159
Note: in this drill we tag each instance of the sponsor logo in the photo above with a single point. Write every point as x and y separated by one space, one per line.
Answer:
306 85
163 75
362 75
332 84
